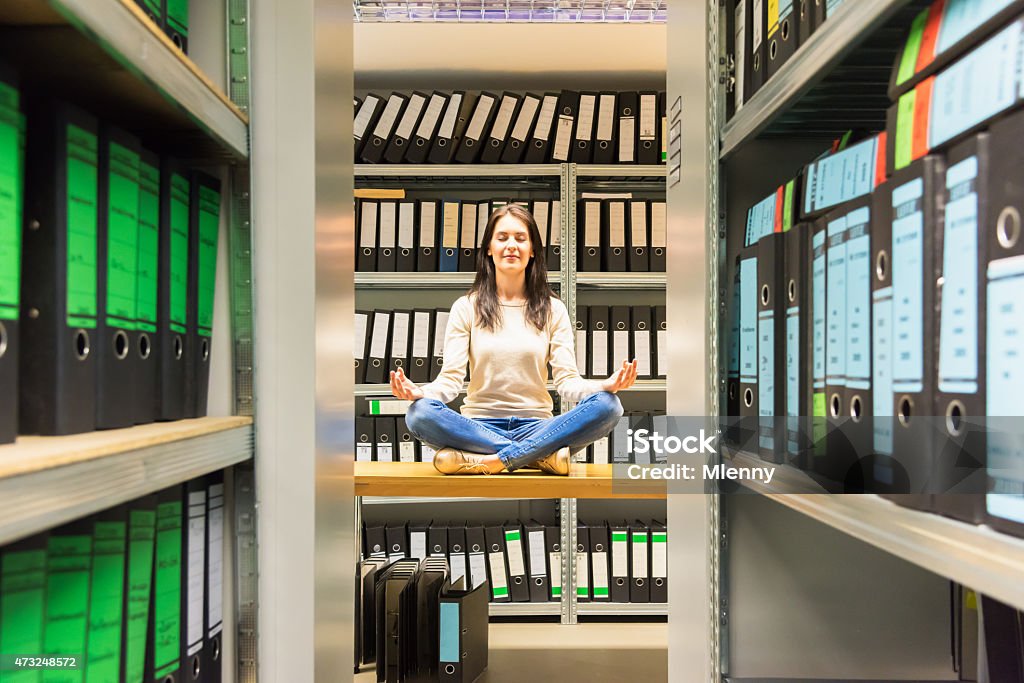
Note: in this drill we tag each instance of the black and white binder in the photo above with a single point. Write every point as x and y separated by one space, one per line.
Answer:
387 258
400 330
361 338
620 335
659 236
471 144
499 132
758 17
627 115
553 546
467 237
519 139
448 253
442 146
613 237
639 540
582 563
457 552
565 124
554 247
538 561
213 618
366 258
437 350
373 151
541 211
590 249
599 547
422 333
476 550
375 539
399 143
659 562
583 147
365 121
662 127
497 563
538 150
405 258
604 136
599 342
437 541
639 258
483 215
642 342
395 536
518 576
376 370
384 439
660 343
426 240
647 138
364 439
581 340
620 583
193 585
419 146
418 532
404 441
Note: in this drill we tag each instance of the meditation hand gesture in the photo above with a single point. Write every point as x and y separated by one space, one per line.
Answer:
404 388
621 379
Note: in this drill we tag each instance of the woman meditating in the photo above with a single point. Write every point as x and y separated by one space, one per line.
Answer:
507 330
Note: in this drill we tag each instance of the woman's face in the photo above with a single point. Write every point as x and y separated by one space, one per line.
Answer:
510 246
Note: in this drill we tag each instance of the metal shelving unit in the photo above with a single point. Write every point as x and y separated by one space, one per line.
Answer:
393 500
622 609
524 609
655 281
422 280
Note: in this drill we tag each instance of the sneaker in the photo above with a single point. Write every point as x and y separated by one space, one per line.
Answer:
556 463
454 461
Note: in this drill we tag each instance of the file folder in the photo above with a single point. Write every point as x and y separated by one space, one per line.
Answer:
203 235
497 564
748 339
426 257
365 121
23 597
620 328
117 290
147 273
384 439
619 452
590 251
373 150
599 547
641 342
857 399
437 541
843 176
742 33
400 331
106 596
620 581
639 257
799 375
59 345
430 122
554 244
11 216
437 352
663 134
1004 286
582 149
427 626
582 563
599 342
538 561
476 551
165 641
443 147
405 441
648 151
213 618
376 540
457 552
398 145
69 554
627 128
418 537
405 255
659 236
395 535
467 237
604 135
761 219
660 342
500 129
883 477
193 598
364 439
838 453
771 336
758 39
366 259
659 562
422 332
541 210
731 318
552 542
565 124
469 148
141 546
805 26
513 152
782 34
448 257
519 585
380 334
175 22
387 237
540 141
640 587
370 570
463 634
582 339
394 595
601 451
819 333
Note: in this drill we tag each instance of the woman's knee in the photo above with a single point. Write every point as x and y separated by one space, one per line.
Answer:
609 405
421 414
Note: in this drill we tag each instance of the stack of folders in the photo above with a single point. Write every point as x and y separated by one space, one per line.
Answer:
608 335
411 340
621 235
385 437
511 128
106 297
171 16
441 235
762 36
417 622
134 593
522 561
619 448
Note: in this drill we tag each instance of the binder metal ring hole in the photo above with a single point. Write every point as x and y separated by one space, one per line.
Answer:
620 325
955 418
441 142
599 547
1008 227
617 250
639 251
449 669
599 326
176 39
205 355
399 142
386 251
120 345
803 10
375 362
419 362
197 668
591 251
627 111
395 548
620 581
555 547
515 143
579 547
437 548
367 251
216 648
792 291
881 265
856 408
469 142
748 397
398 362
420 142
168 679
538 143
538 581
659 582
836 405
449 252
495 142
639 583
641 325
603 144
457 548
906 410
765 295
773 50
517 580
145 347
495 547
3 339
364 438
785 30
377 142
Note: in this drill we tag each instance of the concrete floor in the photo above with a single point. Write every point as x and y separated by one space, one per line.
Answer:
588 653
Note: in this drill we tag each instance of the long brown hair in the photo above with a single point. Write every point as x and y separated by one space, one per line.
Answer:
538 293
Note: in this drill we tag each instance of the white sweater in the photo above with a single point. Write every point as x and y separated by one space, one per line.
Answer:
509 367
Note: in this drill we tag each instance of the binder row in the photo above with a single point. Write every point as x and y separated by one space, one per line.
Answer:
108 259
893 326
429 236
608 335
511 128
621 235
521 561
134 593
386 438
762 36
409 339
615 448
171 16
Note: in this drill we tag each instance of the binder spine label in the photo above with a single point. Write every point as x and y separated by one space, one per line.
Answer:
177 16
434 108
620 553
908 286
82 218
179 253
958 337
600 571
23 585
141 539
555 562
122 237
961 18
516 563
387 225
167 589
196 561
766 368
606 117
555 239
421 338
209 225
563 138
793 389
659 233
659 555
547 115
908 61
412 112
11 197
639 555
835 345
748 321
449 630
642 352
148 247
648 116
845 175
627 129
522 128
406 221
476 124
858 300
362 120
582 575
734 331
106 602
451 116
818 309
215 548
387 120
69 563
536 541
758 18
787 206
499 582
881 368
741 51
504 118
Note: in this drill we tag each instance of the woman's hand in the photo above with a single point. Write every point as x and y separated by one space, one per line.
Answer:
404 388
623 378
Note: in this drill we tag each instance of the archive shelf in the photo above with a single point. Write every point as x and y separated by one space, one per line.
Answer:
384 390
107 55
424 500
524 609
422 280
622 609
85 473
655 281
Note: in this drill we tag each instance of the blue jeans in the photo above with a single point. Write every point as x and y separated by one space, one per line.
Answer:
518 441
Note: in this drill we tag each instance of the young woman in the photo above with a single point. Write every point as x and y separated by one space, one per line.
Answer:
507 330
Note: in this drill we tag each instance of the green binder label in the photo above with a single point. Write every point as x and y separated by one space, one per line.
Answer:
177 16
209 227
908 62
556 591
23 586
141 537
179 254
106 603
599 592
620 536
67 602
659 537
512 536
148 248
10 202
82 220
122 236
905 130
500 592
167 589
787 206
